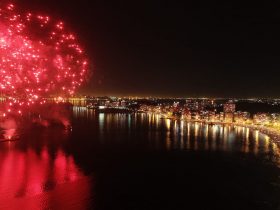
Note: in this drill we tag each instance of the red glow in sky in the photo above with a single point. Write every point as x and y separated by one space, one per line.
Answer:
39 57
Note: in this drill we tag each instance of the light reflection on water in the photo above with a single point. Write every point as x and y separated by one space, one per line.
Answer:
40 170
196 136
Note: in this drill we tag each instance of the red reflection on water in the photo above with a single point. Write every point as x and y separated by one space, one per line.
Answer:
9 134
32 181
9 128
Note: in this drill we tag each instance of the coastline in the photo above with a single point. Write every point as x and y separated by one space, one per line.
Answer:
272 133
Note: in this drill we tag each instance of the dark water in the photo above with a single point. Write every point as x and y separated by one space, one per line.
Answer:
138 162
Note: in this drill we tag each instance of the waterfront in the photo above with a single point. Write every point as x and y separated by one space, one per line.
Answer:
139 161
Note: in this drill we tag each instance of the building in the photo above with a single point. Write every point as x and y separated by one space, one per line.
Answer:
228 117
221 116
229 107
261 118
241 117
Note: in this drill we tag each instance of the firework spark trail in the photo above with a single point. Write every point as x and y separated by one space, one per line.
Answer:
39 57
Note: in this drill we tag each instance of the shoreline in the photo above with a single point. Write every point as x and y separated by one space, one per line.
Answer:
272 133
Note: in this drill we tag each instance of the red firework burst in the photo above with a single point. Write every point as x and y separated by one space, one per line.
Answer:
39 57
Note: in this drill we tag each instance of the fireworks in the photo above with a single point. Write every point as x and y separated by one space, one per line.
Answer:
39 57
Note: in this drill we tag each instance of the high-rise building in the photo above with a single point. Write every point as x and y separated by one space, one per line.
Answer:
229 107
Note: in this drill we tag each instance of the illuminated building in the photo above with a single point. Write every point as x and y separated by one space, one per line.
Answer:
221 117
261 118
195 116
212 116
229 107
186 114
194 105
228 117
123 103
241 117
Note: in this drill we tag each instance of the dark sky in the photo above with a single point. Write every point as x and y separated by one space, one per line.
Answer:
168 48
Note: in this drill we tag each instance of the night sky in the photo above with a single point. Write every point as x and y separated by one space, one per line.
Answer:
167 48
